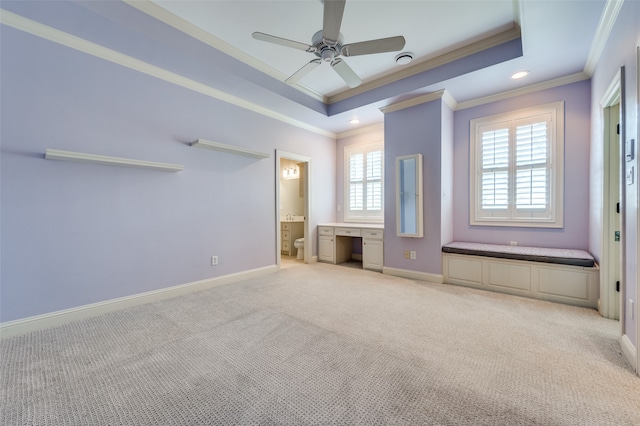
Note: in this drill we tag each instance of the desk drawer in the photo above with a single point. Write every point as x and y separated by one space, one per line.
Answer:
325 230
348 232
372 234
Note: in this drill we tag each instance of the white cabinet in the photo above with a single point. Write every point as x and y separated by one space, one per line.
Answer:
326 246
289 233
326 249
335 244
372 249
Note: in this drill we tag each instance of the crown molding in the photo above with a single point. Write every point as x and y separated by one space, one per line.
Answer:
378 127
550 84
417 100
475 47
607 20
449 100
68 40
163 15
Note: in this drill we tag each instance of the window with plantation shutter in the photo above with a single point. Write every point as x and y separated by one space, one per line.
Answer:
516 163
364 186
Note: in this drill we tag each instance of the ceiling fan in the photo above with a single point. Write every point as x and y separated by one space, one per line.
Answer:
328 45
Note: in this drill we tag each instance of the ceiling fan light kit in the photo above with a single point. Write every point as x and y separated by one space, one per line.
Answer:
327 44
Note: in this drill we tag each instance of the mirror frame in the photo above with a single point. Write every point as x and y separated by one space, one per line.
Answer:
413 211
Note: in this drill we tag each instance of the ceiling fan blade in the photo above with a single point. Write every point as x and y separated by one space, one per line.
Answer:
303 71
333 10
390 44
283 42
345 71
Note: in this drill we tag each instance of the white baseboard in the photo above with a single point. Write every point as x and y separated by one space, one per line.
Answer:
52 319
414 275
630 353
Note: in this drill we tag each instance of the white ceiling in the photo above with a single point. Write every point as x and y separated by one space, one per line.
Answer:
424 25
556 38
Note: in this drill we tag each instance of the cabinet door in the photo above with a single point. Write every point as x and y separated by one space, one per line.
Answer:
326 249
372 253
286 248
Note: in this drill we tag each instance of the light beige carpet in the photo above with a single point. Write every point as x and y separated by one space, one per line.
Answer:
324 345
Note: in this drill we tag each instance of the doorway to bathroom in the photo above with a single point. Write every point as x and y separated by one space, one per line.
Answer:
292 209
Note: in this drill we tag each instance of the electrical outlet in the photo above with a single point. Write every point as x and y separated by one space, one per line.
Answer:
407 254
413 255
214 260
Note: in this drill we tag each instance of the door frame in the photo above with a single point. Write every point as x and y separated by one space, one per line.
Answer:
307 202
612 96
637 313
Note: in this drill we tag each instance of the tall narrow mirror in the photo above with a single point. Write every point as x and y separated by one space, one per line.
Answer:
409 196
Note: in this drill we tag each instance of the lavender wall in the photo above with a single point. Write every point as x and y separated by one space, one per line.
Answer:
415 130
575 234
619 51
74 234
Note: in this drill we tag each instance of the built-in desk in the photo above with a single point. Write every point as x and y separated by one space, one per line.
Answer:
335 243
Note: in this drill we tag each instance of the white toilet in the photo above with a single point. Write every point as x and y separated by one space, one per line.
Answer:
299 244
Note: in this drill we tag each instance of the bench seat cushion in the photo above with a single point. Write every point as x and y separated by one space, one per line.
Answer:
534 254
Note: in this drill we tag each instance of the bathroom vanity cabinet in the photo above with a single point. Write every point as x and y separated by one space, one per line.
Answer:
335 243
290 231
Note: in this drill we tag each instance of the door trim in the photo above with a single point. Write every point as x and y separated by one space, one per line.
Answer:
307 203
611 97
637 314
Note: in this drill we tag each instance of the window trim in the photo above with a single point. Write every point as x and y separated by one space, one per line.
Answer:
349 215
556 175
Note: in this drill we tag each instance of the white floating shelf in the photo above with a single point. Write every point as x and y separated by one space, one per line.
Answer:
56 154
216 146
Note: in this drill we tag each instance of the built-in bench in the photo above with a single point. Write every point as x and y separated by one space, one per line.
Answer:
559 275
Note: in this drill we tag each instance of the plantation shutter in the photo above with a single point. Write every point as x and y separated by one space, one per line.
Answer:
364 182
356 182
517 163
374 180
532 166
494 156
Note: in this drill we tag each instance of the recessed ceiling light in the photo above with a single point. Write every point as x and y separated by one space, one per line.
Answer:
404 58
519 74
354 120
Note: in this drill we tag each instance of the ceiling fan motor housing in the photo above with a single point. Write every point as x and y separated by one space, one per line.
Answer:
325 50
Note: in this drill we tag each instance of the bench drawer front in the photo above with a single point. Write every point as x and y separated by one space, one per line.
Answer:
348 232
511 276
